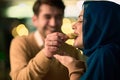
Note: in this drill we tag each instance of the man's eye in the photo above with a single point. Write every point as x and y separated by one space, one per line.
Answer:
47 17
59 17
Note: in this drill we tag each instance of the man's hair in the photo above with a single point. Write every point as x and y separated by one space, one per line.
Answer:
55 3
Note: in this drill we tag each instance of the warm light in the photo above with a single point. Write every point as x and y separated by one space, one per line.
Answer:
20 30
14 33
22 5
67 28
67 25
19 11
66 20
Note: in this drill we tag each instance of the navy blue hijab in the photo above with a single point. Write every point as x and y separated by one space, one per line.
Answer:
101 38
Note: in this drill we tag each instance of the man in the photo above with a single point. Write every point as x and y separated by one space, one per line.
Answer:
31 56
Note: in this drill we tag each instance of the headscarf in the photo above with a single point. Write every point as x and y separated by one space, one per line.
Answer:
101 39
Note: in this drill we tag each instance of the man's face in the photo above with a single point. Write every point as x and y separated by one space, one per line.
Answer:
77 27
49 20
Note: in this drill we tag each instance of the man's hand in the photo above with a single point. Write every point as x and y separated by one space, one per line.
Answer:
52 43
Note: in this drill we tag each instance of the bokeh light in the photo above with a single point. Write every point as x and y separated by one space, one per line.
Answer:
20 30
67 28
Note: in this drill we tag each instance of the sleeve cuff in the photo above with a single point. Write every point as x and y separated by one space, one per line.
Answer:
77 67
42 61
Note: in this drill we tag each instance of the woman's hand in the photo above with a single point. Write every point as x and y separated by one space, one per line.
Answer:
76 67
65 60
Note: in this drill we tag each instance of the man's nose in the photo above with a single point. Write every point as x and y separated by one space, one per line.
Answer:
53 22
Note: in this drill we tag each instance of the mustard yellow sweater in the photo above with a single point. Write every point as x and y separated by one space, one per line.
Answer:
28 62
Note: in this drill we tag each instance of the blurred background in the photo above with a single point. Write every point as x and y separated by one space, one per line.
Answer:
15 20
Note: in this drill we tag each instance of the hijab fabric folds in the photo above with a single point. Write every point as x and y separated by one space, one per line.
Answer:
101 38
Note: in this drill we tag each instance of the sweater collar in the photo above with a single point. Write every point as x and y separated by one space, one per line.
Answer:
38 39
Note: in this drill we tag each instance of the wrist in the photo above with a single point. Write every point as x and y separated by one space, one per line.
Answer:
77 67
75 75
76 72
47 53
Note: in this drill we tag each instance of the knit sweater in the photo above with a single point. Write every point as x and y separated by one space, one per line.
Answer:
28 61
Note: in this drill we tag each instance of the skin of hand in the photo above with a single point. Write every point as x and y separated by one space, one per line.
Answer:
76 67
64 59
52 43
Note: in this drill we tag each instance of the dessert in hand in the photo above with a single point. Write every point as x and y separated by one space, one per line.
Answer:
71 36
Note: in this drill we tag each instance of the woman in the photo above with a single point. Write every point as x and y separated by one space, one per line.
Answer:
99 38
